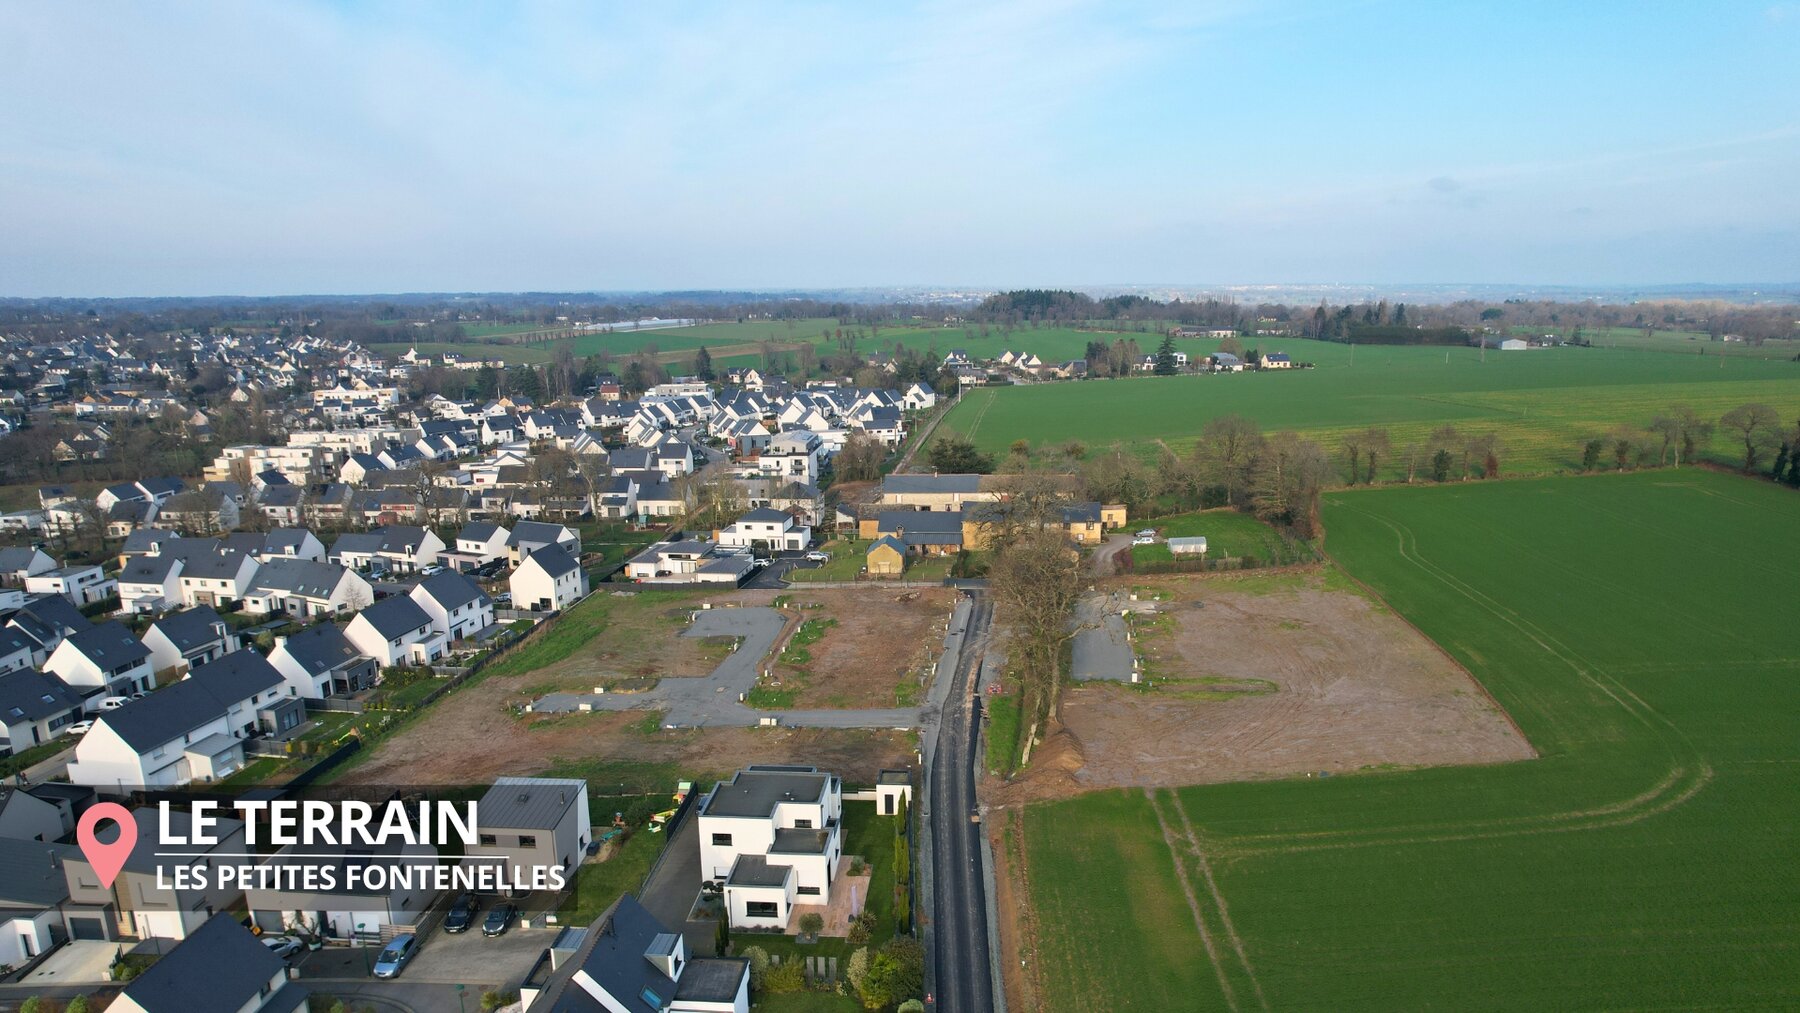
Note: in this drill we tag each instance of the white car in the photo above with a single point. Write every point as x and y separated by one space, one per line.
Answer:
79 728
818 557
113 703
760 562
283 946
1144 540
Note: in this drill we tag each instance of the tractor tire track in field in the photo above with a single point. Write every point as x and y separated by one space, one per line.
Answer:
1187 889
975 426
1689 772
1212 887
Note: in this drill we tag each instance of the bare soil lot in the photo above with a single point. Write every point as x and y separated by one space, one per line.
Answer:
882 637
1268 677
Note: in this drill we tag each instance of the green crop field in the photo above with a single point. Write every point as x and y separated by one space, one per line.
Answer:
1640 630
1544 403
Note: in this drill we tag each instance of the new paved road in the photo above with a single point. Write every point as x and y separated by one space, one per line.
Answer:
964 981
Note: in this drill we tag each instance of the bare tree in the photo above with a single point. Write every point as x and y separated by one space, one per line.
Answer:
1290 473
1037 578
1757 425
1376 445
1226 452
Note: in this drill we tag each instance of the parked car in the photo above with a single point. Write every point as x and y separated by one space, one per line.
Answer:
113 703
395 955
761 562
498 920
431 570
461 914
1146 533
1141 540
816 556
283 946
79 728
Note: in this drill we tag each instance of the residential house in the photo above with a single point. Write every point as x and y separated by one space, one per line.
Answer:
20 562
33 891
399 548
774 835
320 661
548 580
456 604
45 622
302 588
765 529
396 631
211 573
39 812
349 908
104 660
220 966
628 961
687 561
178 734
923 532
255 697
199 511
1274 360
16 650
886 557
533 822
477 544
35 708
529 536
150 584
795 455
186 640
82 585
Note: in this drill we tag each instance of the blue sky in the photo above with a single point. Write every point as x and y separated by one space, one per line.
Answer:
266 149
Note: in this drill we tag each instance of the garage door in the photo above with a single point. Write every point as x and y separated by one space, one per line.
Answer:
87 928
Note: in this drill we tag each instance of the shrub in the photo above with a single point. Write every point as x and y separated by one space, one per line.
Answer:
39 1004
758 958
785 977
79 1004
491 1001
812 923
912 1006
862 927
856 971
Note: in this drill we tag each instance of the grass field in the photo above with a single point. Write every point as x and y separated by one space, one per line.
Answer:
1639 628
1544 403
1228 534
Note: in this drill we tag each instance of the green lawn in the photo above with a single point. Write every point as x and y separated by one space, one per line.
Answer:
1639 628
870 835
1228 533
255 772
1543 403
598 885
847 555
806 1002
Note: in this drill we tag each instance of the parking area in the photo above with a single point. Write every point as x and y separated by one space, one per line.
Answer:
465 958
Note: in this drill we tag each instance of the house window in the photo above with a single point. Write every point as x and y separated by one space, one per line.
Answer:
723 840
762 909
527 841
803 824
808 891
489 840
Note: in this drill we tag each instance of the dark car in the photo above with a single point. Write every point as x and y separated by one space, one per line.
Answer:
461 914
498 920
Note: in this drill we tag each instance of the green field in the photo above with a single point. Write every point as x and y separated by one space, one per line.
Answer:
1640 630
1228 533
1677 341
1544 403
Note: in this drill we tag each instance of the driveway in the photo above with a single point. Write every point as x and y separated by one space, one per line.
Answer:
1102 650
1104 561
466 958
774 576
674 885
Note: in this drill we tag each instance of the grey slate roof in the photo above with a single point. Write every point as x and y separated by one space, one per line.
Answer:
931 484
31 874
190 629
321 648
765 515
16 558
30 695
477 531
755 870
528 803
48 619
756 792
298 576
554 560
149 569
144 540
235 676
394 616
535 533
164 715
452 590
109 645
219 968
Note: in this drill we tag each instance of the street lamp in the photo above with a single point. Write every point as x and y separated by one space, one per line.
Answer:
459 1000
368 965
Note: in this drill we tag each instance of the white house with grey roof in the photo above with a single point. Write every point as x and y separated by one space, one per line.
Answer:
150 584
320 661
303 588
104 660
529 536
766 529
176 735
456 604
82 585
35 708
774 835
256 699
477 544
221 967
396 631
628 962
154 897
527 822
186 640
346 909
19 562
32 893
547 580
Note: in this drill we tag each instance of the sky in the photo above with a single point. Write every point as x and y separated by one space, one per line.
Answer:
266 149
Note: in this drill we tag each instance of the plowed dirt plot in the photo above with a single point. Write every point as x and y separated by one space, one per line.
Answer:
472 735
883 637
1268 677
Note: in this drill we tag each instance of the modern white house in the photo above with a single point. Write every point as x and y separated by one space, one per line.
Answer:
765 529
35 708
17 563
477 544
256 699
186 640
299 587
529 536
795 455
150 584
154 897
628 962
774 836
320 661
547 580
178 734
396 631
104 660
33 891
456 604
401 548
83 585
213 574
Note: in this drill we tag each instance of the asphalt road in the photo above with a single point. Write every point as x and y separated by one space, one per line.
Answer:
964 981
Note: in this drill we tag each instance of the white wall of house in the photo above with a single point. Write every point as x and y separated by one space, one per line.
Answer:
533 587
414 647
79 672
464 620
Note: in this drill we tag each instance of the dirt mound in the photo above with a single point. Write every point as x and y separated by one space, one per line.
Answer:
1056 767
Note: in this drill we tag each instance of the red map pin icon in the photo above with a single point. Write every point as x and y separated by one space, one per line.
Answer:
107 858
